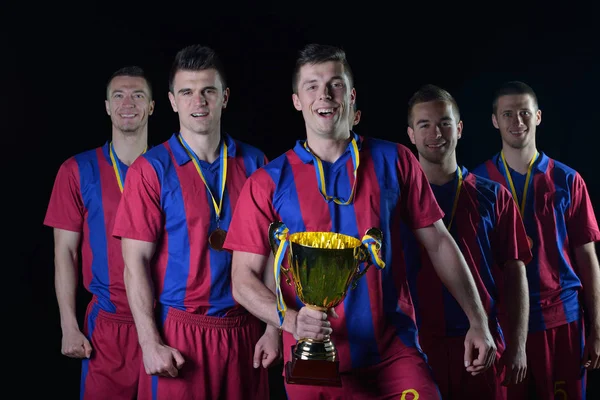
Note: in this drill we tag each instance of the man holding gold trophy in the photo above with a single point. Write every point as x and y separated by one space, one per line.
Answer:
330 209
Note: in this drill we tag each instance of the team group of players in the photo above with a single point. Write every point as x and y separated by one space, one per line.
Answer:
489 274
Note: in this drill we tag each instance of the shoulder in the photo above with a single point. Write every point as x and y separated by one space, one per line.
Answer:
90 155
377 145
244 149
273 168
481 170
388 152
155 157
562 167
82 160
487 187
563 175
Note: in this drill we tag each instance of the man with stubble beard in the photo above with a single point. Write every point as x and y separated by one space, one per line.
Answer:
82 212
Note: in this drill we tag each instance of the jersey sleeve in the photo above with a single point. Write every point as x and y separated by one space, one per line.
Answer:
582 225
249 227
419 208
509 238
139 215
66 209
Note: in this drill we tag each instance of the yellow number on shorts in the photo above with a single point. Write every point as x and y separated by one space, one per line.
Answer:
410 391
559 391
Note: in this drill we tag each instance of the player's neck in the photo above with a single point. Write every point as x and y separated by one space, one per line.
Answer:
439 173
519 159
328 149
205 146
129 146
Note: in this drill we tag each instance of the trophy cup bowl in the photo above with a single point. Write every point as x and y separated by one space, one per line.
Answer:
322 266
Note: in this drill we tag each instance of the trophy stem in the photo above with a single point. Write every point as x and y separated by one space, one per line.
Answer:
311 349
313 363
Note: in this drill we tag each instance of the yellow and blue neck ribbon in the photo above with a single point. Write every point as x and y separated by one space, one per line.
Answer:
373 245
281 235
116 167
528 180
321 175
459 183
222 173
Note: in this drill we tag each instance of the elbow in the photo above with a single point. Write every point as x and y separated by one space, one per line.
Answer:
129 274
239 288
237 295
235 290
126 276
514 271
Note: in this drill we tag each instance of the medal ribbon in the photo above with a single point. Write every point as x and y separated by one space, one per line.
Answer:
321 175
222 173
373 245
281 235
116 167
527 181
455 205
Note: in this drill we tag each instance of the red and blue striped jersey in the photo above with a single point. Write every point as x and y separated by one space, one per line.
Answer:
558 217
165 201
376 318
84 199
489 232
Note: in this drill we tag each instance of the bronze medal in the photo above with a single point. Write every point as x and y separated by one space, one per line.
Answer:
216 240
530 241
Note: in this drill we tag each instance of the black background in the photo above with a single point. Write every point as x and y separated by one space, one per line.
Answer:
56 59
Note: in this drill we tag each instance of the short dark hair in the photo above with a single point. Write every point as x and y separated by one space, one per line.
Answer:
196 58
512 88
319 54
427 93
130 70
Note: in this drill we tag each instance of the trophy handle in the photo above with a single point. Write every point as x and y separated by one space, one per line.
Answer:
273 241
376 233
274 228
364 256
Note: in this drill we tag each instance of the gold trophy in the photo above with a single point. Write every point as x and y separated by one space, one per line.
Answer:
322 266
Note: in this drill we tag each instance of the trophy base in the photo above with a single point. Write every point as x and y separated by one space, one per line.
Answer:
312 372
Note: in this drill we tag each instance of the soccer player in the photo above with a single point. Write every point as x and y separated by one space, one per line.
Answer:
362 182
172 220
561 228
82 211
484 220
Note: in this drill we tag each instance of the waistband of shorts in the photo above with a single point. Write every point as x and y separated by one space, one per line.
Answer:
208 321
121 318
94 309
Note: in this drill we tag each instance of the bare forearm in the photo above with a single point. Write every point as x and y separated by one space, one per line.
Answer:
589 272
269 281
65 284
454 273
252 293
254 289
138 284
517 303
66 262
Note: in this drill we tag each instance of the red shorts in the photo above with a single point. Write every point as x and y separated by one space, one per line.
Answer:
553 365
403 376
112 371
218 354
446 355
